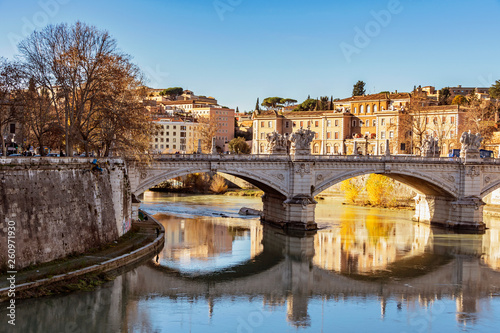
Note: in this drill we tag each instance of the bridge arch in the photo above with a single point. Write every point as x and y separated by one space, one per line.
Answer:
422 183
261 181
489 188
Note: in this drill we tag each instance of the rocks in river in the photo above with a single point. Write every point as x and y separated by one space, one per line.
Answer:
249 211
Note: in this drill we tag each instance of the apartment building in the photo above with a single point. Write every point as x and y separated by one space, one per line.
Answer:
175 135
222 118
363 124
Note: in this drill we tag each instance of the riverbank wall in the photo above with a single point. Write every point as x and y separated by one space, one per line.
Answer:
51 208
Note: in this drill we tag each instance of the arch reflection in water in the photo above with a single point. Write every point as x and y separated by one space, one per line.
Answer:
219 274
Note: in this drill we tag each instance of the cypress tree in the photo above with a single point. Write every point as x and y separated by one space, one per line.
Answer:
257 107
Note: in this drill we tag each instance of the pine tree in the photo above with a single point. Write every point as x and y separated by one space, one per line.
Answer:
359 89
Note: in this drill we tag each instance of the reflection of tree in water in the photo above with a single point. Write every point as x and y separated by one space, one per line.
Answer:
377 228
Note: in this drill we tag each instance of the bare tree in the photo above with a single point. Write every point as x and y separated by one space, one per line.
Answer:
37 114
8 114
86 78
208 130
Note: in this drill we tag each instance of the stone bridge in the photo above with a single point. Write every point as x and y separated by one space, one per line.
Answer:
450 190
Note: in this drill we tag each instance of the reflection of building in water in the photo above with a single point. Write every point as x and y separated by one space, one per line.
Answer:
194 238
187 238
491 242
256 234
360 246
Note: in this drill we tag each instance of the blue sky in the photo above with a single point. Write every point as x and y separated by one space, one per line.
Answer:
238 50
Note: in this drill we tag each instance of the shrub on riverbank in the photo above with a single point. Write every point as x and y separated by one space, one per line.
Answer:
377 191
351 190
218 185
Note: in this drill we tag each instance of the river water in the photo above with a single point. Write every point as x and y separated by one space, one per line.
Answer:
367 270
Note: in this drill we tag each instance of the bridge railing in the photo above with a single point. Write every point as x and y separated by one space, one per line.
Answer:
350 158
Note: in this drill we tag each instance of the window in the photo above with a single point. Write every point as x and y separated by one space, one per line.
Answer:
262 124
452 120
301 124
161 133
156 146
316 135
175 133
354 123
161 146
374 123
167 140
174 140
270 124
183 134
156 139
328 149
382 121
294 124
382 135
336 135
316 123
262 136
168 134
316 149
336 122
328 135
368 109
168 126
329 123
183 128
374 108
391 134
361 109
287 124
175 146
444 120
308 124
161 139
355 109
174 127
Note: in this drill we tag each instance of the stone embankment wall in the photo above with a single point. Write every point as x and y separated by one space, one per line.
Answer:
61 206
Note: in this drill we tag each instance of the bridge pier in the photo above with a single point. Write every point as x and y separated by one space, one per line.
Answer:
290 213
463 214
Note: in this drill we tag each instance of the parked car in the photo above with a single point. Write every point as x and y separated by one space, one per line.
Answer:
454 153
52 155
15 155
483 153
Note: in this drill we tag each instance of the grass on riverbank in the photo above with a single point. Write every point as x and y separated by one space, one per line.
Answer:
131 241
245 193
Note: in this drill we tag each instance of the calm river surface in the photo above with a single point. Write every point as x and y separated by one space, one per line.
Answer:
367 269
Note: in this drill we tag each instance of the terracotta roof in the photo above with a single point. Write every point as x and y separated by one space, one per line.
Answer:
375 97
440 108
372 97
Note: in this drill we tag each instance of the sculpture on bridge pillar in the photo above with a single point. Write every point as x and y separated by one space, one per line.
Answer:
301 142
276 143
470 144
430 147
